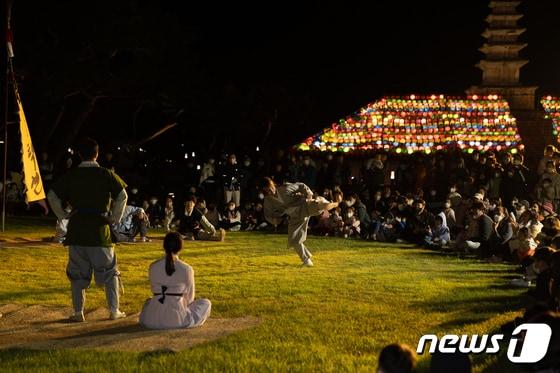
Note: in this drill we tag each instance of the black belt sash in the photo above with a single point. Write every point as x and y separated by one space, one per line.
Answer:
163 294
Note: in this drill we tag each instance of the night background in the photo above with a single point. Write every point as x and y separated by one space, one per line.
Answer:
236 76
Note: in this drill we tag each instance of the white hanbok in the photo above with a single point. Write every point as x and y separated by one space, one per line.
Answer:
173 305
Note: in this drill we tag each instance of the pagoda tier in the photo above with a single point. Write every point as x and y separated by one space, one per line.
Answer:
502 51
504 20
503 35
501 72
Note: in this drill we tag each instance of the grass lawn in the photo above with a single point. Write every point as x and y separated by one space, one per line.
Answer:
336 316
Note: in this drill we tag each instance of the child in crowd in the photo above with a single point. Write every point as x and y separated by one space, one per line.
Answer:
248 217
454 197
523 246
169 214
323 226
391 228
337 222
449 215
351 224
260 221
155 213
438 236
201 206
232 218
213 215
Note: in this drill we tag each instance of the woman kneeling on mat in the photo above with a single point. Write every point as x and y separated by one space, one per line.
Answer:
172 281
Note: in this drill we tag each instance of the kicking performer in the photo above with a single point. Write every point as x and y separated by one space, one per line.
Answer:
295 200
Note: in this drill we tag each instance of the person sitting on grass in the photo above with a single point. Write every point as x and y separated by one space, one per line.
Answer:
155 213
449 216
439 235
420 222
172 282
485 227
134 222
523 247
322 225
213 215
352 201
396 358
336 223
542 266
351 224
522 250
501 235
232 218
193 225
169 214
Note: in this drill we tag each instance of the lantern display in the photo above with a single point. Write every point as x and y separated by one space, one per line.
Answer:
551 106
423 124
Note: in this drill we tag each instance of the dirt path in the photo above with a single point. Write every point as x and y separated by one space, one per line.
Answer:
46 327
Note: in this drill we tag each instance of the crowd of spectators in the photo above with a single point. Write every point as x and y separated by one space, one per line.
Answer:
486 204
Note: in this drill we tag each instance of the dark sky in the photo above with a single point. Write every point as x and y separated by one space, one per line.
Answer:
235 66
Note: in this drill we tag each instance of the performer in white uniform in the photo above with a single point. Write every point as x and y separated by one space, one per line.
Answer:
295 200
172 282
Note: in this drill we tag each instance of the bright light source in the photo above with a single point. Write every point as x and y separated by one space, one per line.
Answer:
186 155
258 149
193 155
198 167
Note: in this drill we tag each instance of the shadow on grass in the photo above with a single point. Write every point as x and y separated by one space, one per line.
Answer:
127 329
494 304
14 296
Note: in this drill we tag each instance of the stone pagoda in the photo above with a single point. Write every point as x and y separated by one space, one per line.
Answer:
502 64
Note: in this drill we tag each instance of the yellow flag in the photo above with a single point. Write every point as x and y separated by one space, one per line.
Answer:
32 176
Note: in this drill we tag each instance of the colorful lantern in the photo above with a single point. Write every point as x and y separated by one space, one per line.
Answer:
424 124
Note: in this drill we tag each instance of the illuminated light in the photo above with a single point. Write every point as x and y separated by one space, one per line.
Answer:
475 97
423 123
198 167
186 155
193 155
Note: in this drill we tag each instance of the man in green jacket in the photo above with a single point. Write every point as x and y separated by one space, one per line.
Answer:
92 191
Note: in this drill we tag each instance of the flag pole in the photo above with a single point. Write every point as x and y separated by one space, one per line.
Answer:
4 66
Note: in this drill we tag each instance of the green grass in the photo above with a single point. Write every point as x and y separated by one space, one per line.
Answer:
337 316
